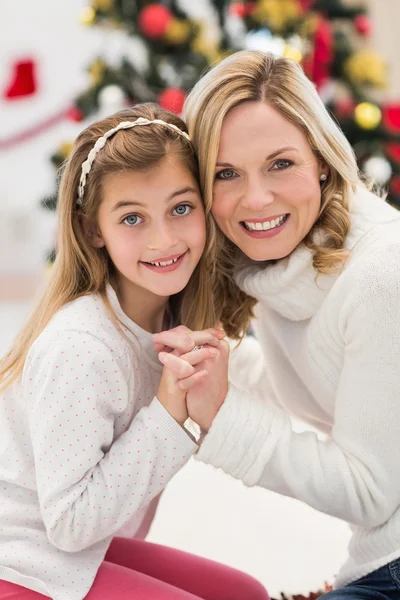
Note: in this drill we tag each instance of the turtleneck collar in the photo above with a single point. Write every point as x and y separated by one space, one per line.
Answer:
291 286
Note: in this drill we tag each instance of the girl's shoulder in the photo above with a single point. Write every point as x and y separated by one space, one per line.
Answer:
85 318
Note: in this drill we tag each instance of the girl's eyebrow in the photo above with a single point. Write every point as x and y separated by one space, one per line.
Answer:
124 203
285 149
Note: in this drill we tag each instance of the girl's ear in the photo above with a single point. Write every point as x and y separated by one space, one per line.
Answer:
92 232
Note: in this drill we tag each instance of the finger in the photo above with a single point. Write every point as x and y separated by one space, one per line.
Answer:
197 356
218 332
190 382
161 348
179 341
181 368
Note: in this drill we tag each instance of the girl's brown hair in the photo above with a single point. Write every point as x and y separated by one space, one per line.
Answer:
280 82
81 269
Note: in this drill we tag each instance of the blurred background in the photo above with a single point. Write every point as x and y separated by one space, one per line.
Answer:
65 64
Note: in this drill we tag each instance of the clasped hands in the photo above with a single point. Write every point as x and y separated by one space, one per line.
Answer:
194 382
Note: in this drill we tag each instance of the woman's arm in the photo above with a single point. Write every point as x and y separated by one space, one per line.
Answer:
353 474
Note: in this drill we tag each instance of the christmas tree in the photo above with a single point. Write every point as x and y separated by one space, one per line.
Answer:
160 49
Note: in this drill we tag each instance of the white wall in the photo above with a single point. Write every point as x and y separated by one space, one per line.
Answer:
49 32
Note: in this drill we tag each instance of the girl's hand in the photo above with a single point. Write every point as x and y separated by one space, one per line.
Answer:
207 387
183 340
169 394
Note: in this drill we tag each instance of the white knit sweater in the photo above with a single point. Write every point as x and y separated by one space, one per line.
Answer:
331 356
85 449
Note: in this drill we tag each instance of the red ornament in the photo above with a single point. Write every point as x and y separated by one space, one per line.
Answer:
23 80
363 25
75 114
344 108
393 151
172 99
242 9
318 64
391 117
306 4
153 21
395 185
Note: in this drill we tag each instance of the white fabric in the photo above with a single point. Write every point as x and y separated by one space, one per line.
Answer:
330 356
85 449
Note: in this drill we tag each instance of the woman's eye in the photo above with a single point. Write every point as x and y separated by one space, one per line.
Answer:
132 220
281 164
225 174
182 210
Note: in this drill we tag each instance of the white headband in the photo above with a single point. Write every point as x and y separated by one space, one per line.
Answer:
100 143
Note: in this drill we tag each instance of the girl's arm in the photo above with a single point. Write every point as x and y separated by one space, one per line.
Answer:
91 481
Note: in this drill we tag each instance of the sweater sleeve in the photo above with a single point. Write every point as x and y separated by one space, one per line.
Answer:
90 482
248 369
352 473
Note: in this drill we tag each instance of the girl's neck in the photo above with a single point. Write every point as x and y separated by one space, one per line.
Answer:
144 308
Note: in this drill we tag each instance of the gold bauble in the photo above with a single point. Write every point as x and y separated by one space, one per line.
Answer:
103 5
276 14
65 149
367 115
206 48
308 25
96 71
366 68
178 32
88 16
293 53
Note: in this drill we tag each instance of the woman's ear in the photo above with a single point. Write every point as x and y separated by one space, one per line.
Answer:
92 232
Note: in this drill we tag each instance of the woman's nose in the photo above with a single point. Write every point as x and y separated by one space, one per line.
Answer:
257 196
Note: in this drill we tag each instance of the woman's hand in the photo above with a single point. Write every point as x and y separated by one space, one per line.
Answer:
169 394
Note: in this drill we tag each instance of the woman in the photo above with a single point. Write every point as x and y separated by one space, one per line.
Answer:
304 244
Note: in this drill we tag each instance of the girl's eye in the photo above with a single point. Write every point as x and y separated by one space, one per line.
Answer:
182 210
281 164
132 220
225 174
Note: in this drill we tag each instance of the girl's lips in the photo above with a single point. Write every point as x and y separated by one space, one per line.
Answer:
263 234
168 268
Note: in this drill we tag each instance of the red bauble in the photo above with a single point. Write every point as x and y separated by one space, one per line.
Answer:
172 99
75 114
344 108
306 4
393 151
363 24
391 117
242 9
395 186
153 21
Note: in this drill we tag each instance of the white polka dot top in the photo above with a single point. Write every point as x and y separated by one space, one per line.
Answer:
85 448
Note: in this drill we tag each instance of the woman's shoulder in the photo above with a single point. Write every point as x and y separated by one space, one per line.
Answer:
371 279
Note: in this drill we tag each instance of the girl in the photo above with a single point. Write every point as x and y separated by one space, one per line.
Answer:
305 243
91 428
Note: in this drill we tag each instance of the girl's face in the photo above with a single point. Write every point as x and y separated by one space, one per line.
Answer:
152 224
267 192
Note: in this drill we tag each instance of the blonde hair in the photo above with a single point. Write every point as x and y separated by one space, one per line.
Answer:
280 82
81 269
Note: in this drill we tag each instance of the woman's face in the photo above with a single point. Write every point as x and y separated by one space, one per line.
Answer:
267 192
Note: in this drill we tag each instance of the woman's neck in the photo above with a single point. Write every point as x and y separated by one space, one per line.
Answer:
144 308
